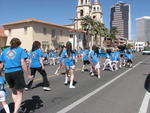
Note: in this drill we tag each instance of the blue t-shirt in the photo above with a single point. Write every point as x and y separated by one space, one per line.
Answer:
113 56
70 61
2 83
12 59
45 55
95 59
128 56
91 53
35 58
86 55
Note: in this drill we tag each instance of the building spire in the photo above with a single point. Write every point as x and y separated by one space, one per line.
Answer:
96 2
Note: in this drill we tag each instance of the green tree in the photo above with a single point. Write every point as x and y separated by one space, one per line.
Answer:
113 33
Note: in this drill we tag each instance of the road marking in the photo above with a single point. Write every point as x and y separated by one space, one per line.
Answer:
144 105
74 104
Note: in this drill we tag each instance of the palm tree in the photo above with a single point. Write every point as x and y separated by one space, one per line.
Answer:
113 33
94 28
87 24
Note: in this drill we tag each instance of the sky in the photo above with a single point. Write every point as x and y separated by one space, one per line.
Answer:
62 11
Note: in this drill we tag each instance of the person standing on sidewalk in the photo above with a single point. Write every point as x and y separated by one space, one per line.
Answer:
13 60
36 64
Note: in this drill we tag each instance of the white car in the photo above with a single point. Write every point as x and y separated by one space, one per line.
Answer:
146 52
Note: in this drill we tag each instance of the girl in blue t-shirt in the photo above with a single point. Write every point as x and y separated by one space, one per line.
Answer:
128 58
108 61
85 58
61 57
36 64
95 62
69 63
3 94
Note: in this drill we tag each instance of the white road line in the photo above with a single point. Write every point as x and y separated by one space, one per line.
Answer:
144 105
74 104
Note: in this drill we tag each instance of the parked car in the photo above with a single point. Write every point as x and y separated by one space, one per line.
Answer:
146 52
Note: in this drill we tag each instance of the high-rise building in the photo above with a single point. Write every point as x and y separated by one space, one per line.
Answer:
143 29
120 18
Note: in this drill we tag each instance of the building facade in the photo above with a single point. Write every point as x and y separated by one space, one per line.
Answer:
143 29
120 18
3 38
50 35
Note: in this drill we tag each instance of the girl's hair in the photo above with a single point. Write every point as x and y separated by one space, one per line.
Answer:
36 45
93 47
69 48
62 47
14 43
96 51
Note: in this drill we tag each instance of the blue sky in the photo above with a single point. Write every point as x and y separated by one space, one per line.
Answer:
62 11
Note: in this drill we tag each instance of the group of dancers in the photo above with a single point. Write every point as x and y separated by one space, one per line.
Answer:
16 62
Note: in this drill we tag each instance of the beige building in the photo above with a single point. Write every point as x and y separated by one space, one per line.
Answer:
3 38
50 35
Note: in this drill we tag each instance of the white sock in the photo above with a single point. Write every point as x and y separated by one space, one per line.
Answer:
6 108
66 79
71 83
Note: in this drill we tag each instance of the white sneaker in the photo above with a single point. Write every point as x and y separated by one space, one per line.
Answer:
99 77
26 88
72 87
82 70
47 89
92 74
56 74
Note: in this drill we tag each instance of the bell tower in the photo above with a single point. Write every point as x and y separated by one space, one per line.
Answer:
83 9
97 11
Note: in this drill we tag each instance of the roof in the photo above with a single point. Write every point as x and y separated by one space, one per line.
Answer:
2 34
144 17
39 21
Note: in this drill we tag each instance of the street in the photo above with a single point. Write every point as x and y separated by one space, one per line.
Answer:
121 91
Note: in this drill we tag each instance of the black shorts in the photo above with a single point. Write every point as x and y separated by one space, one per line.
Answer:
86 62
15 80
129 61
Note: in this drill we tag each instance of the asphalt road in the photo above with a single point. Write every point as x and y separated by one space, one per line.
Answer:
116 92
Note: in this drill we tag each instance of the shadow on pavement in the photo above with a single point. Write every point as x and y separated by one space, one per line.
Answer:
29 106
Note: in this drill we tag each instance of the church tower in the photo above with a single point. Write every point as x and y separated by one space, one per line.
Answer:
83 9
97 11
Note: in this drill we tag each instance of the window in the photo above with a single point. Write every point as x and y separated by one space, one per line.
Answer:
9 30
53 33
94 9
25 30
97 9
44 31
94 17
61 32
81 12
81 2
71 35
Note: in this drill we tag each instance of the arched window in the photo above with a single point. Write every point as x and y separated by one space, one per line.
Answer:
94 9
81 13
98 9
81 2
86 1
94 17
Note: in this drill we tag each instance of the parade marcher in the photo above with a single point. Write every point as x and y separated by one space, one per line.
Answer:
95 62
3 93
128 58
36 64
69 63
108 61
13 59
85 58
61 59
